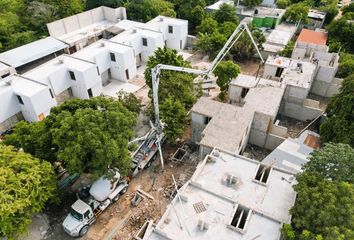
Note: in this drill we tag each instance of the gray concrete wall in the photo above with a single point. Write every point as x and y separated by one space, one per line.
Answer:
197 125
326 89
325 73
300 112
235 93
295 94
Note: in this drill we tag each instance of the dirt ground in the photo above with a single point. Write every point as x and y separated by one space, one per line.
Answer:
122 220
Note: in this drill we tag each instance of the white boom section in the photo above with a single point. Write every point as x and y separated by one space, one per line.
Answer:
155 72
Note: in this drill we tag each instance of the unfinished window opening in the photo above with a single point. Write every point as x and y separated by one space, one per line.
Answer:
51 93
19 98
89 91
279 71
145 42
207 120
72 75
240 217
170 29
263 173
127 74
5 75
244 92
113 57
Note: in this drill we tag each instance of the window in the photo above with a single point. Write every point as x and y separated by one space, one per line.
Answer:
51 93
145 42
127 74
5 75
19 98
180 44
86 214
240 217
170 29
113 57
263 173
72 75
207 120
89 91
98 71
279 72
244 92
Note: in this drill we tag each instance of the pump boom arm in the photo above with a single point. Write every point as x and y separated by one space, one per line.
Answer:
155 72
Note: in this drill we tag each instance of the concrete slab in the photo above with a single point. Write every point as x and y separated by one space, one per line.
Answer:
115 86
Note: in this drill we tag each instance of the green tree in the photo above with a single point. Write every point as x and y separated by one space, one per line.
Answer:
85 135
26 184
252 3
345 67
227 28
109 3
244 48
41 14
208 26
288 49
173 114
348 9
339 126
297 12
331 11
68 7
225 72
145 10
130 101
282 4
211 44
175 85
323 208
191 10
226 13
333 161
342 30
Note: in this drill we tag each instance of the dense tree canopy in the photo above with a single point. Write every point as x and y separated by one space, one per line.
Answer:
225 72
333 161
173 114
342 30
346 65
176 90
323 210
26 184
191 10
85 135
226 13
297 12
244 48
252 3
145 10
288 49
24 21
339 126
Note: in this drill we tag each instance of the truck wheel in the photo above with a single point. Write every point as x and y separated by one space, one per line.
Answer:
83 230
124 190
115 199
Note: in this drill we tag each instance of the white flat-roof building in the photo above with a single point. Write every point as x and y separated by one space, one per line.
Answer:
84 28
24 57
228 197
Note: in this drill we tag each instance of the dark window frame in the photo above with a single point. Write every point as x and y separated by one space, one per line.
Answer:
170 29
20 100
72 75
145 42
113 57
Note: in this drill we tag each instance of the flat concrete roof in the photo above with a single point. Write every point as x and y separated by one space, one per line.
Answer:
90 52
207 107
279 37
128 24
292 153
313 13
262 11
42 72
266 99
30 52
245 81
297 77
278 61
163 19
23 86
207 197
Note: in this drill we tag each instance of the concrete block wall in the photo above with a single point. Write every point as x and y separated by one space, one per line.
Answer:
300 112
197 126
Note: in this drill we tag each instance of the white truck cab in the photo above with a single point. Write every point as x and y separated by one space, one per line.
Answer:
102 193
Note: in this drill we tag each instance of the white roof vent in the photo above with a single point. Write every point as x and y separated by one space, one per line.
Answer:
202 225
102 44
211 159
216 153
60 60
230 179
134 31
161 19
8 81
